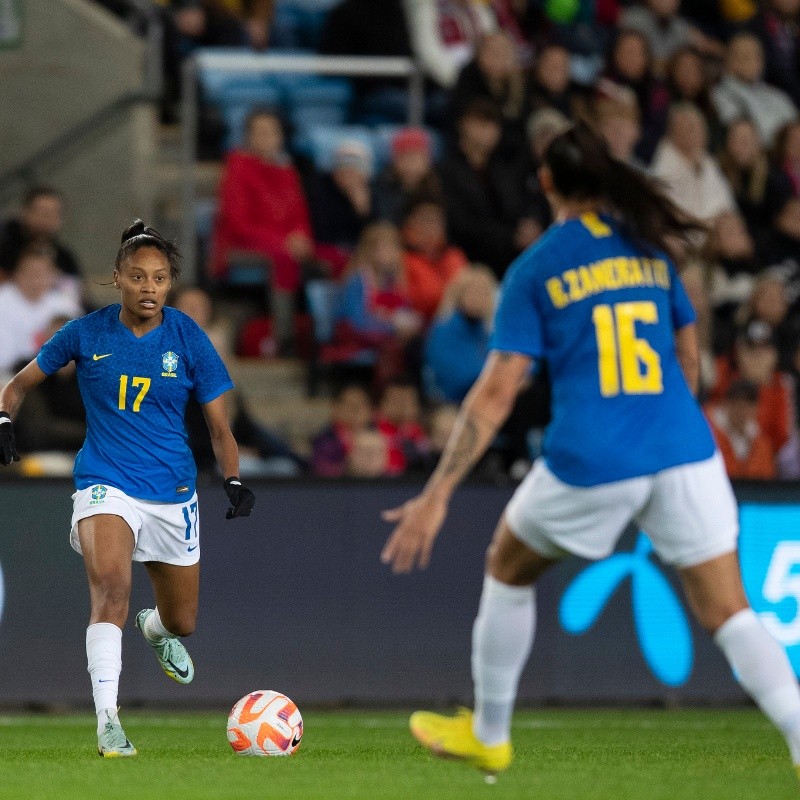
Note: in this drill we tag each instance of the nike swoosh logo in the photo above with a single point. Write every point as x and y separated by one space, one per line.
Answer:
184 673
96 357
190 549
296 739
108 680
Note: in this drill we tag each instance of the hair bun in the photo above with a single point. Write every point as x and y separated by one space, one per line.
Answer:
136 229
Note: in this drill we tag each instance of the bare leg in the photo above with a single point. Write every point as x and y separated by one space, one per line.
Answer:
716 595
107 545
177 591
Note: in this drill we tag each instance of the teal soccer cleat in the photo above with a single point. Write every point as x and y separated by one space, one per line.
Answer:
171 654
112 741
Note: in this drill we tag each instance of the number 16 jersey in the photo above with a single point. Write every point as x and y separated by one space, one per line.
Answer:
135 390
602 313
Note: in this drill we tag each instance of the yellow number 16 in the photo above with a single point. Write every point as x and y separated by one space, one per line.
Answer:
144 383
622 354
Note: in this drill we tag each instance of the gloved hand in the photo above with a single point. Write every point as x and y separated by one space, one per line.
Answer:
241 498
8 444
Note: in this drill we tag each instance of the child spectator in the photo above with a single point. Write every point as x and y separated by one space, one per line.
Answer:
742 91
747 452
342 200
368 456
484 191
787 154
399 421
430 263
410 173
351 413
630 64
29 301
760 189
458 343
375 312
692 177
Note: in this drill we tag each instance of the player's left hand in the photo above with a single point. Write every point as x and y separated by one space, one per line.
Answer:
242 499
419 521
8 443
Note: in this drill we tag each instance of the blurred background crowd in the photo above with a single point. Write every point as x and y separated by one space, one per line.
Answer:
370 252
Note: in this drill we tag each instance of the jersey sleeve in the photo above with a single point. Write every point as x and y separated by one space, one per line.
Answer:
210 376
518 326
683 313
60 349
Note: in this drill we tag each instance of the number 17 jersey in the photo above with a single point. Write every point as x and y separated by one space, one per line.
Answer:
135 392
602 313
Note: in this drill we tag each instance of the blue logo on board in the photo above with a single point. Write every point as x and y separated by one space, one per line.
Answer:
661 624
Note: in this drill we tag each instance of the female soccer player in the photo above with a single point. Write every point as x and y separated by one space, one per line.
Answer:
600 303
137 364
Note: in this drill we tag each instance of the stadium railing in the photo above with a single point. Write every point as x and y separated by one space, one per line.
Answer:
237 62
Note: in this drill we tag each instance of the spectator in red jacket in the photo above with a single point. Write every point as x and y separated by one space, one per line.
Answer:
430 262
262 207
399 421
747 452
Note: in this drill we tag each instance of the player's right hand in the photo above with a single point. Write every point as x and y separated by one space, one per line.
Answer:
8 444
419 521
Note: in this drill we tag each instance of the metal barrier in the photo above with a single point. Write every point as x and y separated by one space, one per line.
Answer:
243 62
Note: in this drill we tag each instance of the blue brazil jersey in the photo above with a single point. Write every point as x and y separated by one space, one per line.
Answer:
135 392
602 314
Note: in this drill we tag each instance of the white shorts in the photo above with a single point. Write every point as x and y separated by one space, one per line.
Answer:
164 532
689 512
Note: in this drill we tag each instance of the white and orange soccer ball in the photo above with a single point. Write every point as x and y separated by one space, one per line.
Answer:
265 723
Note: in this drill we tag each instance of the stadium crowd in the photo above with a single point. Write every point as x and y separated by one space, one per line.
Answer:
398 255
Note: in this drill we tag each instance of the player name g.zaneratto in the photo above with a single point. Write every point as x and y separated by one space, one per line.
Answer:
609 274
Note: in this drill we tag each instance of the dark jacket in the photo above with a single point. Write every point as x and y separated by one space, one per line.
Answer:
483 208
14 239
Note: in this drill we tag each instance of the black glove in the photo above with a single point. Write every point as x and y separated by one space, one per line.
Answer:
8 444
242 499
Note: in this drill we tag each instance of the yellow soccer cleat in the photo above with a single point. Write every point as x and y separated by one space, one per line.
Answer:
452 737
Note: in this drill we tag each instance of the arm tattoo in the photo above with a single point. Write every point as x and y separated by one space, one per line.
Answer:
460 457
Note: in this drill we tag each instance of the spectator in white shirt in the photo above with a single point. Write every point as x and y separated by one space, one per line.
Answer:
692 177
742 92
445 34
27 304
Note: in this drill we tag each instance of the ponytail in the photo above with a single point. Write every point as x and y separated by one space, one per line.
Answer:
139 235
583 169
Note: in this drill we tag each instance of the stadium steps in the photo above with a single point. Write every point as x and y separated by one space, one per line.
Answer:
276 396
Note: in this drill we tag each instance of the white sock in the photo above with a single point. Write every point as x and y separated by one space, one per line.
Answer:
104 655
764 672
502 638
154 629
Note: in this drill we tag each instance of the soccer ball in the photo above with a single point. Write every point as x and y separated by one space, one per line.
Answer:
265 723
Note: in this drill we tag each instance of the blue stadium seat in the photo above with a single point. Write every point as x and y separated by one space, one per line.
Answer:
322 298
320 143
319 101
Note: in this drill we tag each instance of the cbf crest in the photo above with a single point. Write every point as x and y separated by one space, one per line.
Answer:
169 363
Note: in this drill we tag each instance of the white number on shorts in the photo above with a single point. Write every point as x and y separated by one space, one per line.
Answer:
783 582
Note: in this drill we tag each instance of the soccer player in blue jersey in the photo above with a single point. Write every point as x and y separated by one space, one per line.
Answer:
599 302
138 362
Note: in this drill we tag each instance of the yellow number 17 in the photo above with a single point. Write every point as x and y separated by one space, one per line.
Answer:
144 383
621 355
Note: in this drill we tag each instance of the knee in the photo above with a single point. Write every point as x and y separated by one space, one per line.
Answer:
506 570
110 595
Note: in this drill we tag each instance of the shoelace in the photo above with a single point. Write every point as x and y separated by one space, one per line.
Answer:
114 735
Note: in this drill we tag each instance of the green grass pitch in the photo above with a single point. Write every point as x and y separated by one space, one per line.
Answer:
561 755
